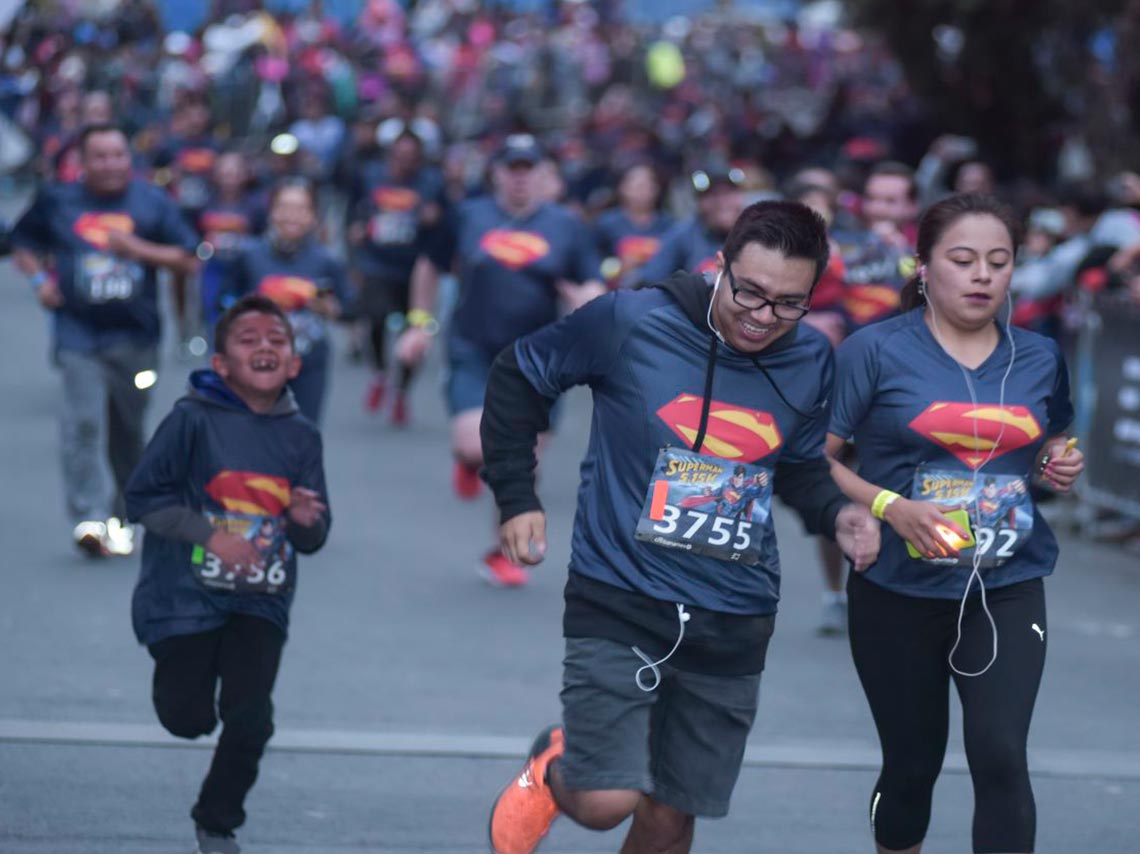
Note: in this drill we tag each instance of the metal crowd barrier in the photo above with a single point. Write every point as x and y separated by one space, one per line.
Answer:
1107 394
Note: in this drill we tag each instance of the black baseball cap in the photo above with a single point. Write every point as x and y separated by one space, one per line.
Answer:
519 148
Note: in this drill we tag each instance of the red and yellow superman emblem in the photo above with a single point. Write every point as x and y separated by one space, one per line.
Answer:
289 292
224 222
396 199
249 492
865 303
514 249
733 433
196 161
635 250
94 227
971 433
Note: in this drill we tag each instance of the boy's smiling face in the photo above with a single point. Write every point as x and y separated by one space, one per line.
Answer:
258 359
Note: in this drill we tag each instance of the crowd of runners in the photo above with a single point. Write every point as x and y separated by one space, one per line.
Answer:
776 290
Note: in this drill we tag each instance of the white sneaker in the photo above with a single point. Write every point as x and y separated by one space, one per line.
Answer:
120 538
216 843
91 538
833 618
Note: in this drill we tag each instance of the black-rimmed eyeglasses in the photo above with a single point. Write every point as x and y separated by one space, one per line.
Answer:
754 302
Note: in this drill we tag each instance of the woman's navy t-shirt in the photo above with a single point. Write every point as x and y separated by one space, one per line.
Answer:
905 403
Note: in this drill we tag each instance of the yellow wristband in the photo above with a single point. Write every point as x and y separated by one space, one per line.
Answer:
417 318
882 501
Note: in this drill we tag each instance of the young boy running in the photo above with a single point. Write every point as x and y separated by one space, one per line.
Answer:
230 488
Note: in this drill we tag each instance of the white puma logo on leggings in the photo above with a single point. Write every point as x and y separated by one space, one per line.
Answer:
1040 631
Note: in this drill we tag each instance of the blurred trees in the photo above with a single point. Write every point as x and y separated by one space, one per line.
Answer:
1022 76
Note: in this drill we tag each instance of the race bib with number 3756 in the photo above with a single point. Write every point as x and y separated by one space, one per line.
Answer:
267 534
707 505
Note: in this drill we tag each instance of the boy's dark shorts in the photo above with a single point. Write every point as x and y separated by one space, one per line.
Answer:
682 744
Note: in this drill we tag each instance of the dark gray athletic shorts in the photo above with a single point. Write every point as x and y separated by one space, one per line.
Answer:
682 744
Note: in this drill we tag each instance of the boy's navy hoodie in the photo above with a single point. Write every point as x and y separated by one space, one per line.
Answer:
214 462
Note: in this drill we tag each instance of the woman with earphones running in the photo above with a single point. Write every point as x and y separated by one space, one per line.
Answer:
953 414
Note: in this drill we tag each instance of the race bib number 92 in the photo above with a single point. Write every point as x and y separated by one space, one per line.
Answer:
998 506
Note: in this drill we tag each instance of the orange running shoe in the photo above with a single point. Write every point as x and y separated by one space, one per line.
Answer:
465 478
498 571
525 810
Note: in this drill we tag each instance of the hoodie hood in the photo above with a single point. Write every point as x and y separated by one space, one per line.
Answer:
693 293
208 387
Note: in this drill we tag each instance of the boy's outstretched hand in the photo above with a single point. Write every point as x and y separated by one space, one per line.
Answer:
305 506
237 553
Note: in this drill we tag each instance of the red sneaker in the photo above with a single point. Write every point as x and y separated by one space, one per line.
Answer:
525 810
500 572
374 396
400 413
466 480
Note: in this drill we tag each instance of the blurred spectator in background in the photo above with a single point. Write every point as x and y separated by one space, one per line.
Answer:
693 243
630 234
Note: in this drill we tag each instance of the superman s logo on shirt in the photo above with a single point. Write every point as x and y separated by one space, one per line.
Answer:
733 432
398 199
973 433
196 161
249 493
292 293
865 303
95 227
514 249
635 250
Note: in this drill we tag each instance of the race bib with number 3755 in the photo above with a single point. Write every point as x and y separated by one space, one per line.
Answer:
707 505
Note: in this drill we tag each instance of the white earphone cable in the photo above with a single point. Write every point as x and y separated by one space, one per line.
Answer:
650 664
977 559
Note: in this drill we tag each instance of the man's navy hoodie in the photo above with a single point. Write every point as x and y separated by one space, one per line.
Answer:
215 455
653 365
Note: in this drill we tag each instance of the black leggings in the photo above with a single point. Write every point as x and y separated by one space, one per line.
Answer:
243 656
900 645
378 299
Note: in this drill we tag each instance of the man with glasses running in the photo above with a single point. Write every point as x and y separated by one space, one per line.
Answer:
672 591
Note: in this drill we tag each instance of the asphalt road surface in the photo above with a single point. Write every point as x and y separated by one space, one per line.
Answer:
409 688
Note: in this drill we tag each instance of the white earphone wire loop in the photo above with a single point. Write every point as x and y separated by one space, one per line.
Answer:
975 518
651 665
